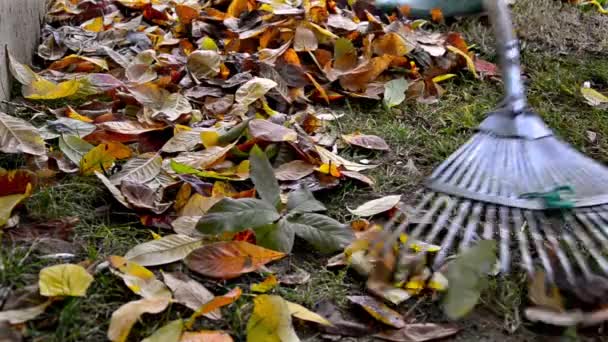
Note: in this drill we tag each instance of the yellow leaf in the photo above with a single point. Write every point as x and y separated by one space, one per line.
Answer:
470 63
270 321
268 284
181 128
93 25
138 278
329 169
103 156
223 189
236 7
208 44
438 282
182 197
210 138
593 97
64 280
438 79
7 204
43 89
123 319
303 313
155 236
72 114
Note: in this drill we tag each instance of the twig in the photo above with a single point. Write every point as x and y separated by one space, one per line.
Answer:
14 104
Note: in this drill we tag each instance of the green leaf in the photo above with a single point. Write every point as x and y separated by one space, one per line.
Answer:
467 276
170 332
394 92
276 236
303 201
230 215
74 148
324 233
263 177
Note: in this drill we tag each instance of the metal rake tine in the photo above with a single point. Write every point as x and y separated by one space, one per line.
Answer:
447 242
522 228
574 249
472 224
552 239
505 235
538 243
488 228
579 232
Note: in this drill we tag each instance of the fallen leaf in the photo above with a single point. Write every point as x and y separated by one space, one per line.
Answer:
467 276
253 90
170 332
541 295
262 176
267 131
166 250
299 277
379 311
305 39
141 169
394 92
204 63
327 157
206 336
270 321
102 157
377 206
419 332
64 280
303 313
268 284
371 142
593 97
190 293
214 304
138 278
125 317
228 260
19 136
20 316
293 170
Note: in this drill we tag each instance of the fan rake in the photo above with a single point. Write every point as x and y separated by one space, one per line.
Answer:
517 183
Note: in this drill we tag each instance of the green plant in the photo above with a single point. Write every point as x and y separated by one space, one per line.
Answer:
274 223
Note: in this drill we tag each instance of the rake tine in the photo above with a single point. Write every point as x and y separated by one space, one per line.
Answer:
522 228
447 242
538 243
580 260
488 228
472 224
550 234
503 228
597 223
587 242
441 220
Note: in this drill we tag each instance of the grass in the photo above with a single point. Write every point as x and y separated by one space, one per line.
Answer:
422 134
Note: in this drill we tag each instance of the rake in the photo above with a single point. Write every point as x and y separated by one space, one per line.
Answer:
516 182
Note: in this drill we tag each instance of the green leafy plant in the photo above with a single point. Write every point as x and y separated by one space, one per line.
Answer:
276 224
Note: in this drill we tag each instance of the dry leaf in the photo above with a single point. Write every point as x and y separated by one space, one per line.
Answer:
166 250
379 311
270 321
228 260
189 292
64 280
123 319
377 206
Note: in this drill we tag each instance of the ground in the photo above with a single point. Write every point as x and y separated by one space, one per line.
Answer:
562 48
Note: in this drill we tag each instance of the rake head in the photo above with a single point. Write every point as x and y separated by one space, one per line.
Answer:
507 184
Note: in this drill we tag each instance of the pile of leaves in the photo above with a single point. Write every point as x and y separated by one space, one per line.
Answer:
210 119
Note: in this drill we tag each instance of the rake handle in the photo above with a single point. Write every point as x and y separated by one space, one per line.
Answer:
507 47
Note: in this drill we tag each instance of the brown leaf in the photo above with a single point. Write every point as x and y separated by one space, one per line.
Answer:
58 229
305 39
267 131
371 142
392 44
206 336
293 170
142 197
359 80
541 295
418 332
379 311
189 292
227 260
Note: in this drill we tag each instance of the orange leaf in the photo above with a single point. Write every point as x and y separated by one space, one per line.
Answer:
186 13
236 8
291 57
247 235
437 15
391 44
230 259
16 181
215 304
319 88
206 336
330 169
359 80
